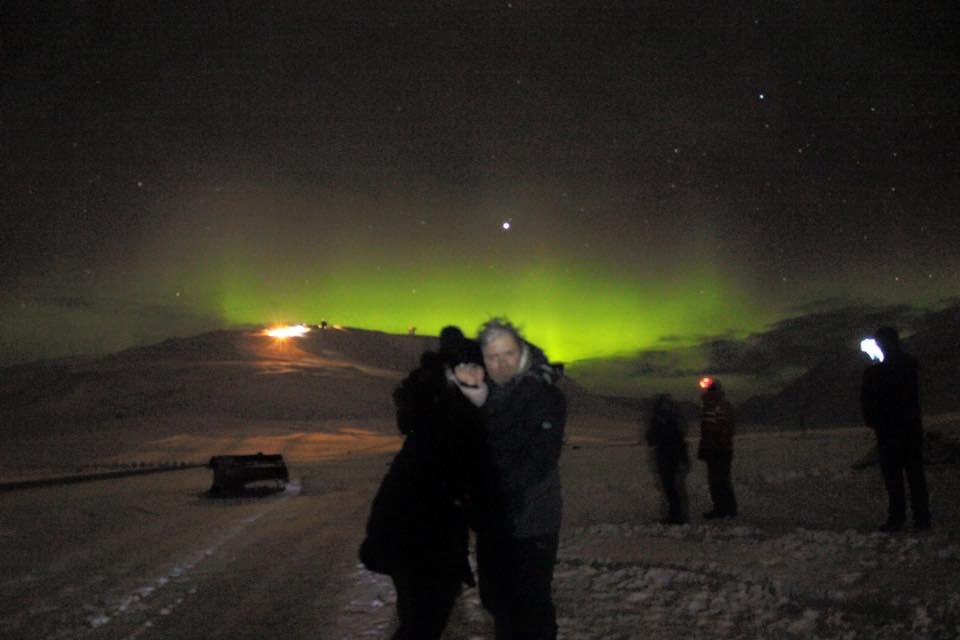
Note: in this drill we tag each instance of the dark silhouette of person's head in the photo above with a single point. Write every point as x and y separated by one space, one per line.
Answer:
662 402
888 340
457 348
450 337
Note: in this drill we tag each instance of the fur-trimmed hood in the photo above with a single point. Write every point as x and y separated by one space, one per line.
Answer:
533 362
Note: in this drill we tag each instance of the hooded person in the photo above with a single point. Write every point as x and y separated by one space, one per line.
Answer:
518 525
417 531
666 435
716 448
890 403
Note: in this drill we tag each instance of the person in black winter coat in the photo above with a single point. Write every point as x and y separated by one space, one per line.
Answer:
417 531
518 526
890 401
666 435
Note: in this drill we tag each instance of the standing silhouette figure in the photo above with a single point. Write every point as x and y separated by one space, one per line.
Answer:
890 401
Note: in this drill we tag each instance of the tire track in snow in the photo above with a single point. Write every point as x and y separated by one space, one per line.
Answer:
161 595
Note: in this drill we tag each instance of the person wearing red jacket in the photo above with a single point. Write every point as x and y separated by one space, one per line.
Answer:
716 448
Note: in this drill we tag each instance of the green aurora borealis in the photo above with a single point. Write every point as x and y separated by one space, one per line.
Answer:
571 315
224 261
248 255
410 269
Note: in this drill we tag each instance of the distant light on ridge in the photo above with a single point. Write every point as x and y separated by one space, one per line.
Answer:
506 225
290 331
705 382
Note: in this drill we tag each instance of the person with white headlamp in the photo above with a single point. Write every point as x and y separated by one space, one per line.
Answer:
890 402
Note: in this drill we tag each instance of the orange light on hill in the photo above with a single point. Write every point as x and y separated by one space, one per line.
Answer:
705 382
289 331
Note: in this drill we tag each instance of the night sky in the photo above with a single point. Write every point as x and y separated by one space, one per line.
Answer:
668 170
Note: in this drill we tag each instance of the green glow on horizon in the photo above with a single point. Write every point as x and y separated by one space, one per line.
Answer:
382 264
572 314
243 255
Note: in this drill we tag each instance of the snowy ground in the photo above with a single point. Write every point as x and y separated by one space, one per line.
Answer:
152 557
801 561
